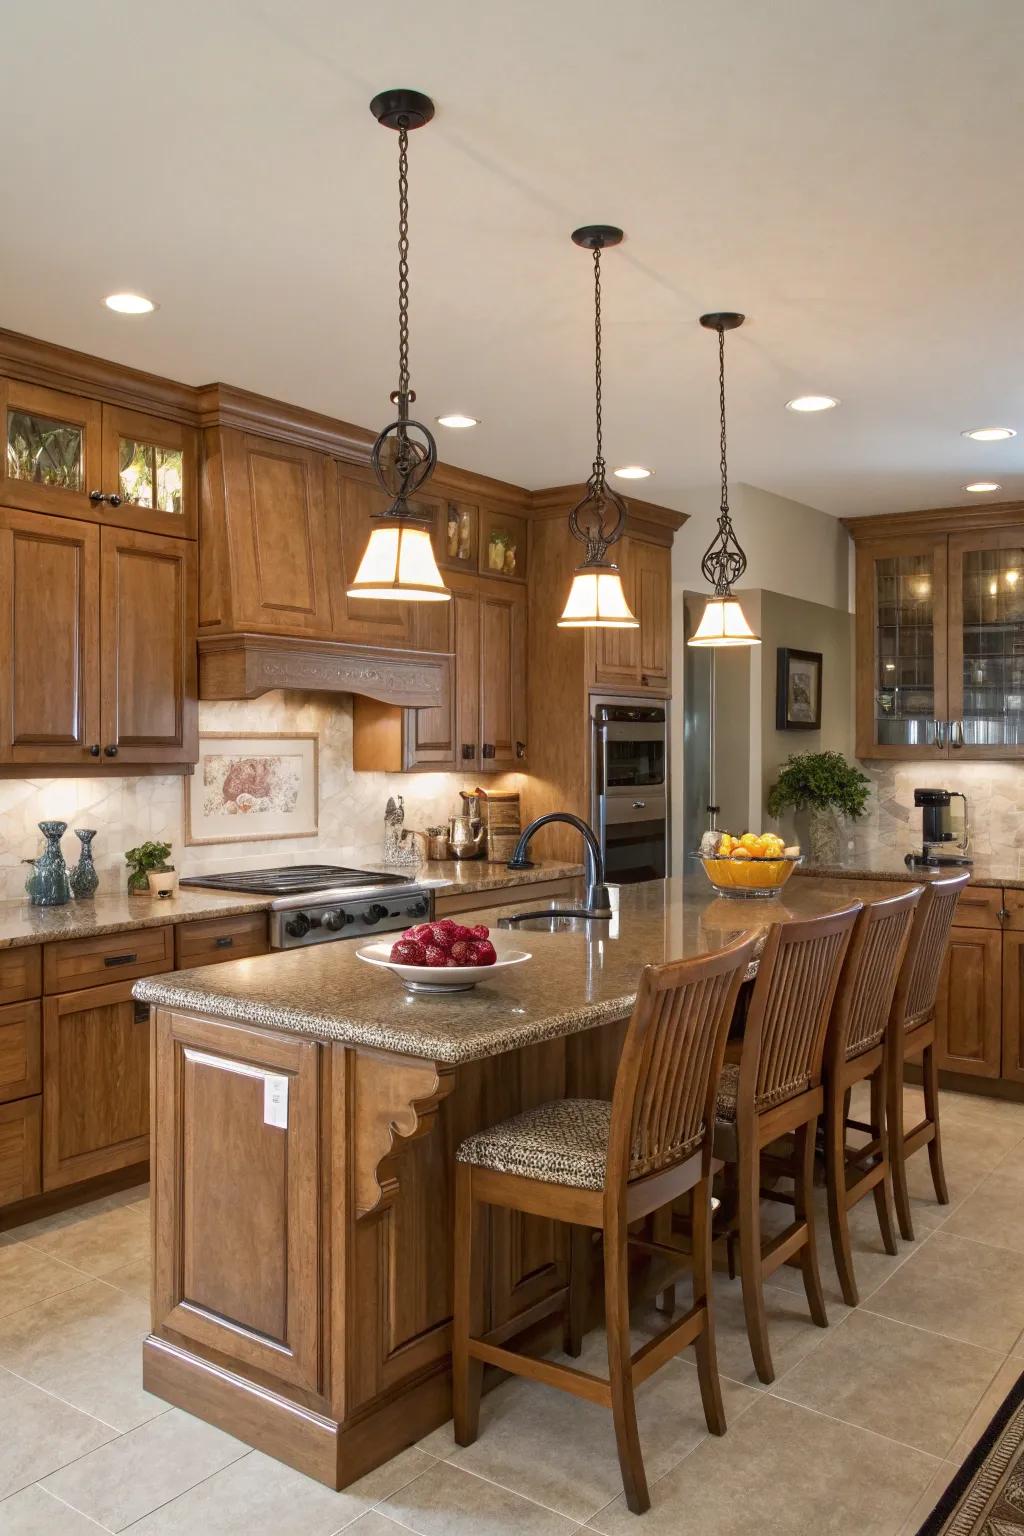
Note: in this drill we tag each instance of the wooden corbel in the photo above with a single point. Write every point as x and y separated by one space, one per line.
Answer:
394 1100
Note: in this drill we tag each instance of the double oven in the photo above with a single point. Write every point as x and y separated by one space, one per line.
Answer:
629 787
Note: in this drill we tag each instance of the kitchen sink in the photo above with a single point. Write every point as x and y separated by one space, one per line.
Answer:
554 920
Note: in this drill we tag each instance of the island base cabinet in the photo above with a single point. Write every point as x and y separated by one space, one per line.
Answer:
19 1150
968 1025
1013 1007
95 1083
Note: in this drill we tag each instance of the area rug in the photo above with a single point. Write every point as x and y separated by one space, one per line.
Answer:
986 1497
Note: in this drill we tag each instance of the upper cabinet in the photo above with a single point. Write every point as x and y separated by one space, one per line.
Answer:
73 457
638 659
940 639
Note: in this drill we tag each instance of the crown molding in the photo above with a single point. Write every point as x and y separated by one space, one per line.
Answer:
995 514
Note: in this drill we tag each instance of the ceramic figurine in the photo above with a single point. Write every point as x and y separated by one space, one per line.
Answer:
50 886
399 847
84 878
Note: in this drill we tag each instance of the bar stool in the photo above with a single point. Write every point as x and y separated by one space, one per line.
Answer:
773 1092
914 1007
593 1164
861 1034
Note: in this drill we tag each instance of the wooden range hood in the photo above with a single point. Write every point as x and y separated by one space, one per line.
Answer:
243 666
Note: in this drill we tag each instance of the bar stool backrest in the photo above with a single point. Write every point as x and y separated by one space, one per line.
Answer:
870 974
784 1038
926 953
663 1103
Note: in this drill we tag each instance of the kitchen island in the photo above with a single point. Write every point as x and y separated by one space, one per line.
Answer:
306 1115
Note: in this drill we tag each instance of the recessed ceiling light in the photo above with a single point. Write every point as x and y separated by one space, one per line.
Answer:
129 303
457 419
989 434
812 403
632 472
980 487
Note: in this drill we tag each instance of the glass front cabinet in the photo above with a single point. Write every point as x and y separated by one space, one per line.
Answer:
940 645
74 457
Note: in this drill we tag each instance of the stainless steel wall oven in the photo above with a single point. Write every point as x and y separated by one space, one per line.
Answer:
629 787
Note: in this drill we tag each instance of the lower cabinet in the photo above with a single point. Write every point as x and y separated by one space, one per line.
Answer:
19 1150
968 1014
95 1083
1013 1007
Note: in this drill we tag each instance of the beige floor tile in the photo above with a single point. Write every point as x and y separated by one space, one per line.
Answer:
994 1213
96 1243
560 1451
446 1501
139 1471
998 1389
27 1276
912 1386
34 1512
791 1332
70 1217
39 1433
962 1289
872 1265
928 1500
373 1523
133 1278
782 1471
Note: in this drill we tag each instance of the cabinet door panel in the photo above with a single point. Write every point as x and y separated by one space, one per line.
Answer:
968 1007
363 620
49 678
153 466
502 682
653 588
19 1150
20 1051
901 682
616 652
277 535
1013 1006
429 736
238 1262
148 646
50 458
986 643
95 1083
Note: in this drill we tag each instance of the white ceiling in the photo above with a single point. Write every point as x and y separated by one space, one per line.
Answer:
846 173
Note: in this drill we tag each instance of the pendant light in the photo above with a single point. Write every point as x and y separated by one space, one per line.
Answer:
399 559
596 599
722 622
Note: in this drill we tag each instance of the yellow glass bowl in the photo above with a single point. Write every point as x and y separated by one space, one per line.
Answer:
754 878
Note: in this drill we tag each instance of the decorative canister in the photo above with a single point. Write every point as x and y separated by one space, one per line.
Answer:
50 886
84 878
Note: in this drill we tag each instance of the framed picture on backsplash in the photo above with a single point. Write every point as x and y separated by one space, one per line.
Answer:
248 788
798 690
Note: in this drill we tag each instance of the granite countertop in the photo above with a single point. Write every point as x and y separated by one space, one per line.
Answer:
117 912
573 982
1007 870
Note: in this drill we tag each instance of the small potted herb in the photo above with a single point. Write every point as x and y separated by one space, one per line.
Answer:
148 869
829 787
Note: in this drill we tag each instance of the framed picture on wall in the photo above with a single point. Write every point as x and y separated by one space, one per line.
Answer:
798 690
246 788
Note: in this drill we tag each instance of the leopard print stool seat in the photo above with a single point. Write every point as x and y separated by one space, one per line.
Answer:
565 1142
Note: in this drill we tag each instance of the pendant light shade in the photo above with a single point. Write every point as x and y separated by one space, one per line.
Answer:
596 599
724 562
398 563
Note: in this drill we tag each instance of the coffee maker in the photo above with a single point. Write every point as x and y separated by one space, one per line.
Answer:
938 833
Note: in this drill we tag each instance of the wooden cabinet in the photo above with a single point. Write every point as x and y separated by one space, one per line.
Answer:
968 1022
73 457
212 940
940 637
365 621
638 659
1013 1006
70 964
19 1150
95 1083
101 663
50 666
481 724
20 1051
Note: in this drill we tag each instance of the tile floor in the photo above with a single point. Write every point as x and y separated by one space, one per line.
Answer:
863 1427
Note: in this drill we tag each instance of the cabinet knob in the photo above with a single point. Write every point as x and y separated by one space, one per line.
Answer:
94 750
468 750
110 751
97 497
487 750
520 749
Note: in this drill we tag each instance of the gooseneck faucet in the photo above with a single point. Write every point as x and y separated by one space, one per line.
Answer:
598 902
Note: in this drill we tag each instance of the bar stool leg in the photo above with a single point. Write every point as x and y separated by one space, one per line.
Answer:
897 1142
467 1373
806 1138
620 1369
661 1231
883 1190
930 1080
707 1354
580 1245
835 1182
751 1277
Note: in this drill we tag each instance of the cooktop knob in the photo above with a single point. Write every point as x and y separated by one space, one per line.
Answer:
375 913
334 921
298 926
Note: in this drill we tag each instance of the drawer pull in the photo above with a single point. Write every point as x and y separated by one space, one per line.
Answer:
225 942
120 959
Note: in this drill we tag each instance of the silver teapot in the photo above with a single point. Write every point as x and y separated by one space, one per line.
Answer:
465 837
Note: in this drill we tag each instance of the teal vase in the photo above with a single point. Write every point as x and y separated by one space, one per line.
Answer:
84 878
50 886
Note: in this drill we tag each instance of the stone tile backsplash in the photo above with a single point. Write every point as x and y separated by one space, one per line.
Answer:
995 794
127 811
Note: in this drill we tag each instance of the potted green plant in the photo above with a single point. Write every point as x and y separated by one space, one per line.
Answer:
827 786
146 860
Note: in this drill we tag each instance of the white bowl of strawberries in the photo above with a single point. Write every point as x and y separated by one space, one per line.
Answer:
445 956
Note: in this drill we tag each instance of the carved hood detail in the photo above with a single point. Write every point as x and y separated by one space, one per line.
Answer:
246 665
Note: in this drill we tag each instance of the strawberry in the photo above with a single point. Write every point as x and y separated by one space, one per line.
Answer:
481 931
423 933
408 952
457 933
485 952
440 934
463 952
435 955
